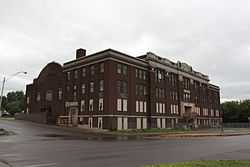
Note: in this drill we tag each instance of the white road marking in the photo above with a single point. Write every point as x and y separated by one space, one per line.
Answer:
41 165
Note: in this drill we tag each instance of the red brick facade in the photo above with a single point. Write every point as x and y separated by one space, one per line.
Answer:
112 90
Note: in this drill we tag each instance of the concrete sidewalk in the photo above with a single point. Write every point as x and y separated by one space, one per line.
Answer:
146 135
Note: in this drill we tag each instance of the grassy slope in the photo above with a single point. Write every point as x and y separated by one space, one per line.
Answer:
229 163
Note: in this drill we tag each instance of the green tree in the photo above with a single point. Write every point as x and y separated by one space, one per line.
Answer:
15 102
236 111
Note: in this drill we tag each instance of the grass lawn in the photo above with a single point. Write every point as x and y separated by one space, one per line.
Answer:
219 163
7 118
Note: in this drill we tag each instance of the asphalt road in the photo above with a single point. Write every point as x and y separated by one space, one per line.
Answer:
37 145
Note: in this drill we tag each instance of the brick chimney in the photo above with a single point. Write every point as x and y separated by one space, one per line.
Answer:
80 53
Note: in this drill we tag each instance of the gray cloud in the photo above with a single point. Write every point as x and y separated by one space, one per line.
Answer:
210 35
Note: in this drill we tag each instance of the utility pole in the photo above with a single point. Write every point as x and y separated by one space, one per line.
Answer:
1 97
2 89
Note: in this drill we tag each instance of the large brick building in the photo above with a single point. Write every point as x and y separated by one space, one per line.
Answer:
112 90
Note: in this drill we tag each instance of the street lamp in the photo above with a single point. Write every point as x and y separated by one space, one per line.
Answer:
2 89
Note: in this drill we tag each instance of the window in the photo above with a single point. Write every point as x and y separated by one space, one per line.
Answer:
125 70
157 92
212 112
186 96
38 96
141 91
119 68
160 107
83 88
159 75
74 94
122 69
125 105
101 86
174 95
82 105
140 74
125 87
163 108
174 109
137 89
156 107
217 113
144 75
28 100
68 76
141 106
122 87
68 88
118 86
205 111
122 105
137 106
91 87
91 105
49 95
160 93
60 94
99 123
75 87
76 74
84 72
186 83
100 104
119 104
92 70
102 67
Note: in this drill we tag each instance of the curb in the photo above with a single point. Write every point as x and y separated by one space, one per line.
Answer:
195 136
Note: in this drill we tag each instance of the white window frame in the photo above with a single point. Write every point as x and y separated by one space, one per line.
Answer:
141 106
145 106
125 105
119 104
82 105
92 87
83 88
99 121
90 122
101 89
160 107
137 106
91 105
49 95
157 107
100 105
60 93
163 108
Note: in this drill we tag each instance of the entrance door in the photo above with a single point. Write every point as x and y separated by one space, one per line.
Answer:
73 113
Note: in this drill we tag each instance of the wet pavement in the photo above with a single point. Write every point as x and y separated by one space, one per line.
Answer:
35 145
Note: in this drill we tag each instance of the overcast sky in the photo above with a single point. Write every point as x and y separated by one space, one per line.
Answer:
213 36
